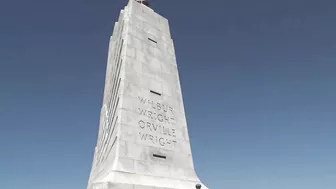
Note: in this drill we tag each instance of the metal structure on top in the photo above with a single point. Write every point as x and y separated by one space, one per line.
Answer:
145 2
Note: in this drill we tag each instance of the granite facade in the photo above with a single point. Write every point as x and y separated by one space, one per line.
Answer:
143 139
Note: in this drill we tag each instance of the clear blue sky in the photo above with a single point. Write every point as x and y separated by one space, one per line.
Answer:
258 79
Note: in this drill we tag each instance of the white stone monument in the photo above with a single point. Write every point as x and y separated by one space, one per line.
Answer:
143 140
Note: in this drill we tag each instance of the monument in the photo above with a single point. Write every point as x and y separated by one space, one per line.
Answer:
143 140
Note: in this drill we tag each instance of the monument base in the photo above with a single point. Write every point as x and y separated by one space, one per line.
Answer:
122 180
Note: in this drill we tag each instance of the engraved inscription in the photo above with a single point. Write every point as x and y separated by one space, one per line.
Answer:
158 128
156 105
156 116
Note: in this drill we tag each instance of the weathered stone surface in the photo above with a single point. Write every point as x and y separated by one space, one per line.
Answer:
143 140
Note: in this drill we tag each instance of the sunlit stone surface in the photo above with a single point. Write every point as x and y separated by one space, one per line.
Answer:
143 140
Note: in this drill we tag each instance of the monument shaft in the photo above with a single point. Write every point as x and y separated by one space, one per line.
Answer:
143 139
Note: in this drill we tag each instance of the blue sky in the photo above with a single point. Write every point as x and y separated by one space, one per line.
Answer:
258 79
